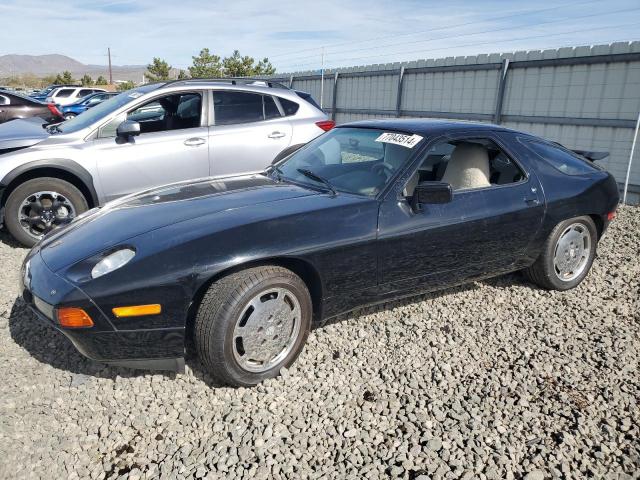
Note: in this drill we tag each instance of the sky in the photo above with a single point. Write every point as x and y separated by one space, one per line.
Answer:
293 34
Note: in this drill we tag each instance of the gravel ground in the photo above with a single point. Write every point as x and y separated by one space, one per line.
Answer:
496 379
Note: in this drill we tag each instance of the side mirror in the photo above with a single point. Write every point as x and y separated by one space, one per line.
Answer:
431 193
128 129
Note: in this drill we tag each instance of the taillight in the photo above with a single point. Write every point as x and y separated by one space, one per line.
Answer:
326 125
54 110
611 215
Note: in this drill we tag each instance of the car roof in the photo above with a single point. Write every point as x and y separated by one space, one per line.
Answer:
426 127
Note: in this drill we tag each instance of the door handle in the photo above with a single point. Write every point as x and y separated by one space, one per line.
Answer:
276 135
532 201
194 142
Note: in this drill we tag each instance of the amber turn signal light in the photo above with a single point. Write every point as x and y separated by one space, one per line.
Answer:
72 317
137 310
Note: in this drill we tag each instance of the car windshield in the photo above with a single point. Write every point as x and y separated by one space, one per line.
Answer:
105 108
354 160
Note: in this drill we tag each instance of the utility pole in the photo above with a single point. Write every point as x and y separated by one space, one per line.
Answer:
322 79
110 72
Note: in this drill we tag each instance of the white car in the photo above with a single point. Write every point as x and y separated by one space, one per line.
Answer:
69 95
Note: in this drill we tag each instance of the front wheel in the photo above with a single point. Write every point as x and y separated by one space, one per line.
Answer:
69 116
252 323
567 255
39 205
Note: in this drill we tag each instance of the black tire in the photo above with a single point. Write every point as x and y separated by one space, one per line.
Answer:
543 272
221 307
30 187
69 116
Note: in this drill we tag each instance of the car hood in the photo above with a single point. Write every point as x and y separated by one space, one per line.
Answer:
22 133
130 216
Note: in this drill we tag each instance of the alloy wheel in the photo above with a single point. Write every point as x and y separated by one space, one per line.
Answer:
40 212
266 330
572 251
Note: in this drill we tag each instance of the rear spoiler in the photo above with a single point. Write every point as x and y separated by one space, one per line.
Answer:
592 156
589 155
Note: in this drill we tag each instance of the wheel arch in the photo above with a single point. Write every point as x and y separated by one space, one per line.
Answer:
304 269
599 221
63 169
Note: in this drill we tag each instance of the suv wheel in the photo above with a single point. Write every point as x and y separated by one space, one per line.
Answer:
37 206
252 323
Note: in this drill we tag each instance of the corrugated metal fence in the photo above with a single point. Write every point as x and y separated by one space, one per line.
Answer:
583 97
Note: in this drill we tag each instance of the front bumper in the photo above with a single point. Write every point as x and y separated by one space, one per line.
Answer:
154 348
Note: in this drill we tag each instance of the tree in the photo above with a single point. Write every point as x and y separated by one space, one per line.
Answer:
182 75
86 81
238 66
49 80
158 70
67 77
244 66
206 65
264 67
101 81
128 85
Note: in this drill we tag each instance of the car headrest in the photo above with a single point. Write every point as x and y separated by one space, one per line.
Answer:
468 167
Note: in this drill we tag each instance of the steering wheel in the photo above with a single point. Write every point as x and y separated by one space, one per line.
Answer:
383 168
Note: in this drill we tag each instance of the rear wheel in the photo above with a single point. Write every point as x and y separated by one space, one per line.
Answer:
567 255
252 323
37 206
69 116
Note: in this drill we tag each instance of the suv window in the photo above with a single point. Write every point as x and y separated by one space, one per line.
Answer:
84 92
289 107
270 108
479 157
64 92
4 100
560 158
233 108
172 112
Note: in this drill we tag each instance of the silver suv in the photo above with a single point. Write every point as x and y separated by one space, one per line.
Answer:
148 136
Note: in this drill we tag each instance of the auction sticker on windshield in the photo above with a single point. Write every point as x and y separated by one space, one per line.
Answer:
408 141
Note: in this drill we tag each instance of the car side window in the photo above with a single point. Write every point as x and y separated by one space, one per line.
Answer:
4 100
64 93
559 158
289 107
466 164
270 108
84 92
233 108
171 112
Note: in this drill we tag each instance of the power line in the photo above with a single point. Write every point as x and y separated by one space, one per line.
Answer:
475 22
475 43
377 47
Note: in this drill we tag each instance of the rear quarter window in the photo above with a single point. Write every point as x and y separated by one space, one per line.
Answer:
289 107
559 158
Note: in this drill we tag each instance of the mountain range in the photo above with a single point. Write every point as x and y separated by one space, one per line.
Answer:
42 65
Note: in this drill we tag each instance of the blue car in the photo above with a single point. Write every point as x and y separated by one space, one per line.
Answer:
85 103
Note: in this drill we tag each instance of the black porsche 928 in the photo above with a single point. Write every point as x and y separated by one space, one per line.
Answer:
368 212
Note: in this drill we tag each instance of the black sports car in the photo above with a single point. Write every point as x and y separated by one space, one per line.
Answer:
368 212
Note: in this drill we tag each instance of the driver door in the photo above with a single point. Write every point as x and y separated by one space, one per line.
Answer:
171 147
484 230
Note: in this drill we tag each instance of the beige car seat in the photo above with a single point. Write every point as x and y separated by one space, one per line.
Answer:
468 167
